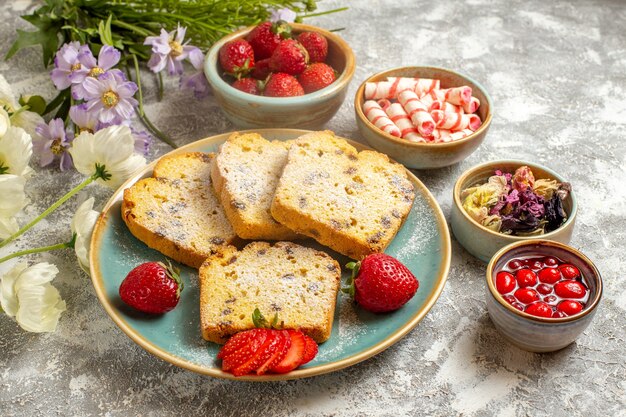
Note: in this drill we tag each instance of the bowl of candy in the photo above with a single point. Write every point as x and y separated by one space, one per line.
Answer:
423 117
280 75
541 294
501 202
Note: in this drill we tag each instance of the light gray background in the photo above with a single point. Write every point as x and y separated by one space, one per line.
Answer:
556 73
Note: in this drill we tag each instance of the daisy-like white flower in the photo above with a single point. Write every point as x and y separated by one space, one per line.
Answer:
284 14
169 50
111 150
92 68
196 82
111 96
5 121
25 119
27 294
82 226
66 63
12 186
53 141
16 149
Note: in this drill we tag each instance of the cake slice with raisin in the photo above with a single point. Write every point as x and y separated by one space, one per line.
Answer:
353 202
300 284
245 174
176 211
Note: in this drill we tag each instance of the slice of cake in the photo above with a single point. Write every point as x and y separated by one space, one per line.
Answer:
298 283
353 202
245 175
176 211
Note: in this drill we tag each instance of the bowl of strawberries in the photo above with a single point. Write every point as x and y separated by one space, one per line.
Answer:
279 74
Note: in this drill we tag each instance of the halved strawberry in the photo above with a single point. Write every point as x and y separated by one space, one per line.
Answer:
263 353
236 342
233 360
310 350
294 355
279 354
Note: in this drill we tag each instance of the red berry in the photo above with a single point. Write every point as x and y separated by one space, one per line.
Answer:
237 342
569 271
310 350
294 355
152 287
316 76
265 38
570 289
526 295
237 57
558 314
284 343
282 85
262 354
239 357
247 85
382 283
539 309
549 299
261 69
570 307
289 57
544 289
505 282
526 278
535 265
549 275
315 44
518 306
549 261
509 299
514 264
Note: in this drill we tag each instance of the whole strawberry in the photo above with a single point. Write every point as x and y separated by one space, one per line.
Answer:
152 287
261 69
282 85
237 57
380 283
247 85
316 76
289 57
265 37
315 44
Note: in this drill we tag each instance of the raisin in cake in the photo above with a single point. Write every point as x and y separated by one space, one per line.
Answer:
245 174
353 202
298 283
176 211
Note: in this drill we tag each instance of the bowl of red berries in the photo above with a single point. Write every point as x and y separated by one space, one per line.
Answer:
280 75
541 294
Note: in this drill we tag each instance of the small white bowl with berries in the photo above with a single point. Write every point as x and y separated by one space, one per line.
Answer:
541 294
280 75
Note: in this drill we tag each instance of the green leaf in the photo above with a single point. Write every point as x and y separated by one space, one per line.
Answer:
36 104
258 319
47 39
62 96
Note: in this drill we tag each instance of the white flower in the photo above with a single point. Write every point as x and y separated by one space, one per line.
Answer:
16 149
25 119
27 295
82 225
5 122
13 199
112 148
8 226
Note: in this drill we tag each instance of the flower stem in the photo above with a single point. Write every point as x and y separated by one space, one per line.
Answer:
160 90
50 209
69 244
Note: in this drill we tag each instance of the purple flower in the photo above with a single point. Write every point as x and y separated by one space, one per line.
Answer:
53 141
84 119
169 50
196 82
111 97
285 14
143 140
90 68
65 64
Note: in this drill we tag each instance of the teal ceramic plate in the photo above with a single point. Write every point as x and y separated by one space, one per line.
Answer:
423 244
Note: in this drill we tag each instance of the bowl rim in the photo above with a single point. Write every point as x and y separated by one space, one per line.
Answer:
459 204
591 306
218 83
361 116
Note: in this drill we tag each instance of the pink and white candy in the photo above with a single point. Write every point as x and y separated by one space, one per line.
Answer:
417 112
378 117
455 121
421 86
458 95
398 115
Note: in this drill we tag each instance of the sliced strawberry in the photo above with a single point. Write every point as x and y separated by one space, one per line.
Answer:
294 355
279 354
236 342
310 350
241 356
258 358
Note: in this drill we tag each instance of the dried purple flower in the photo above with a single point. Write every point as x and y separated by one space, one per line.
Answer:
66 63
169 50
111 96
53 141
107 59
